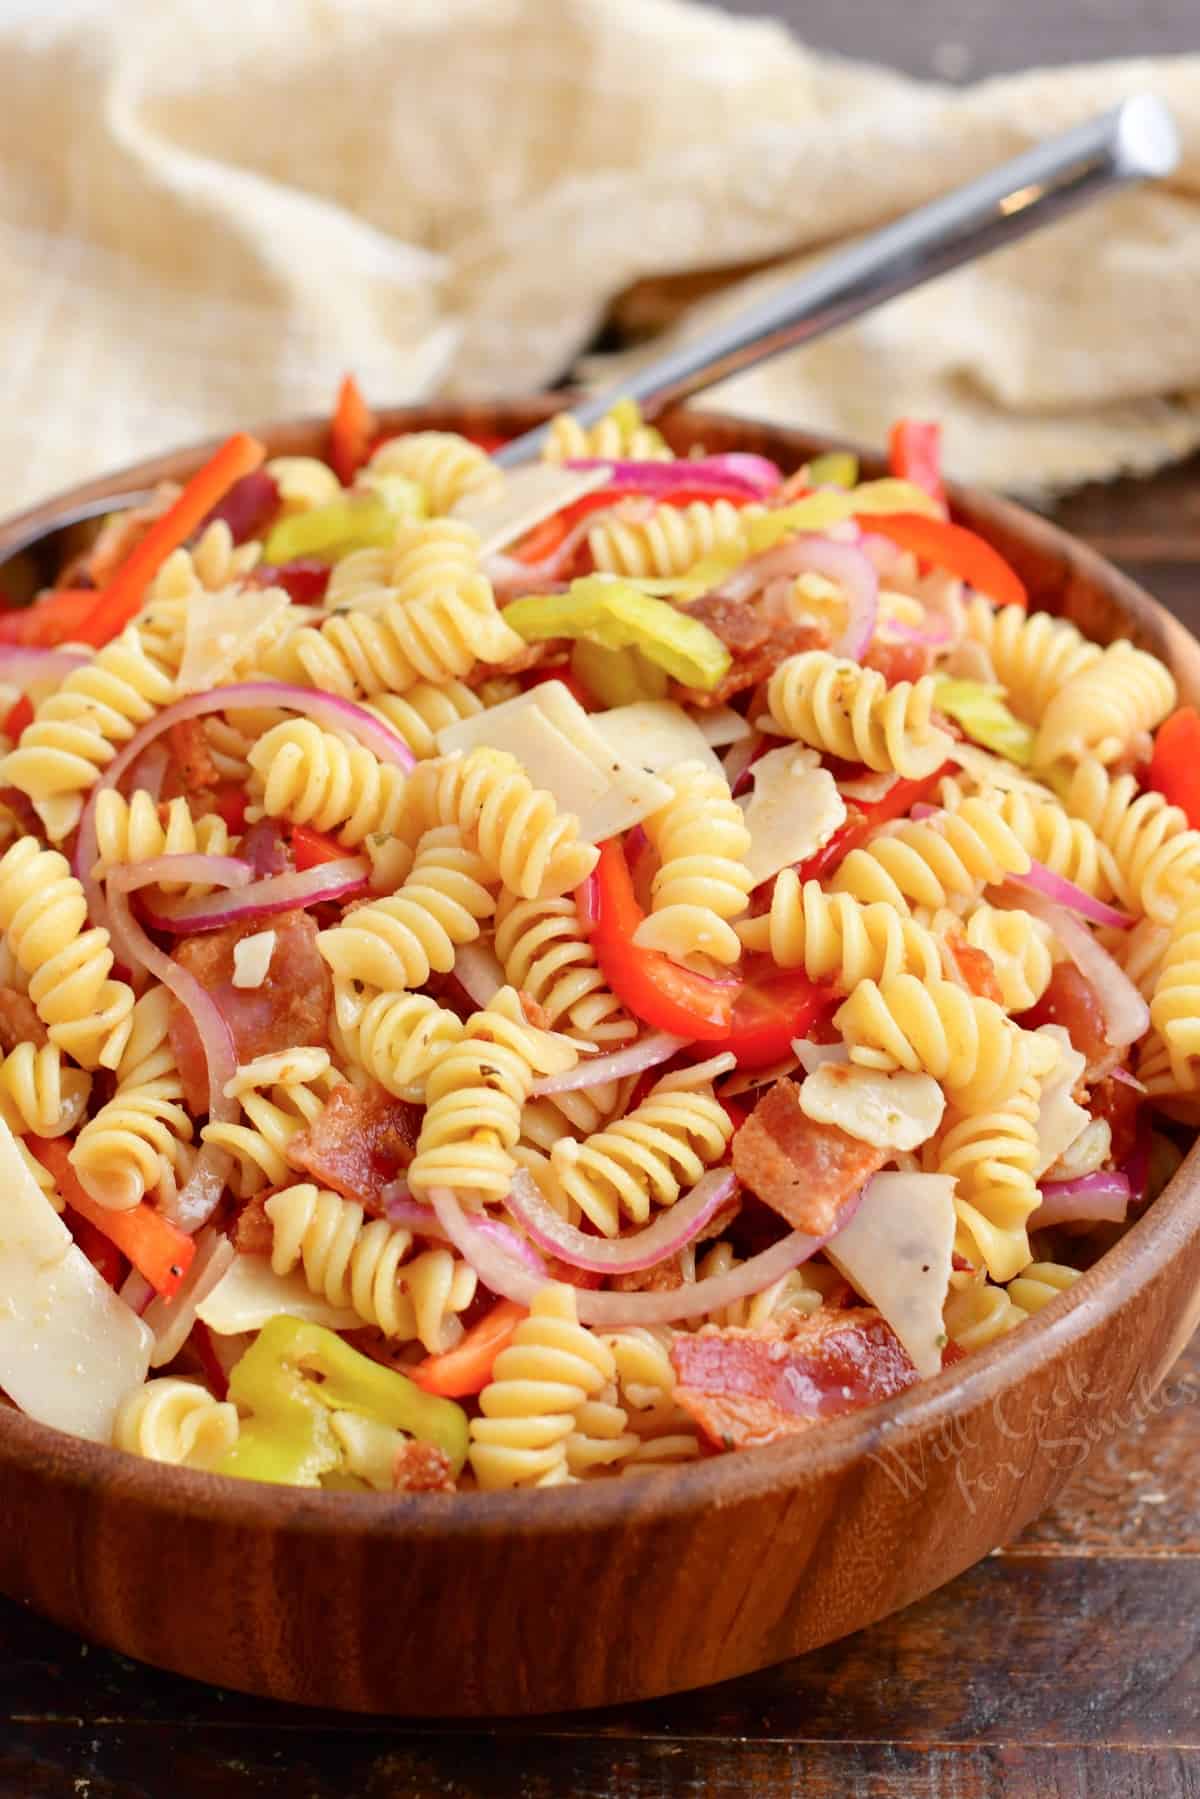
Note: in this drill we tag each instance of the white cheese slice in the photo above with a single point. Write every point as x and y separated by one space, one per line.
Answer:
223 629
70 1350
654 734
721 726
1060 1119
560 749
896 1253
892 1111
251 1292
793 809
528 496
252 959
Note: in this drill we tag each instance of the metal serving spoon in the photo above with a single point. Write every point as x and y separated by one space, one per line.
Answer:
1136 141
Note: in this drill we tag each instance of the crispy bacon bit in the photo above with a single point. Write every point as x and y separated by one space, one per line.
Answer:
803 1170
422 1468
19 1022
291 1007
252 1233
899 661
1118 1102
975 967
664 1277
757 642
1071 1001
192 765
358 1143
747 1388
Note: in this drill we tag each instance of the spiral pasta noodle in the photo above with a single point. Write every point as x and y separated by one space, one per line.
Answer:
445 466
427 708
1040 1283
665 1433
850 711
41 1093
794 1294
304 482
647 1157
393 943
978 1314
76 732
1066 846
1101 710
930 861
121 1153
395 1037
177 1421
968 1044
137 829
474 1097
1033 653
315 777
516 827
213 562
669 540
1019 948
992 1156
43 912
702 880
1155 854
278 1097
539 1384
1175 1007
612 436
425 556
544 952
836 937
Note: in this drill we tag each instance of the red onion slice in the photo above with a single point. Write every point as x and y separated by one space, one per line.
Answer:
937 634
1093 1198
649 1053
402 1208
812 1056
1127 1016
223 871
198 1199
808 554
671 1231
264 847
1065 893
511 1281
739 474
261 899
23 666
478 972
326 709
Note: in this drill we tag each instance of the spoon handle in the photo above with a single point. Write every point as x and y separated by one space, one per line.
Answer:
1135 141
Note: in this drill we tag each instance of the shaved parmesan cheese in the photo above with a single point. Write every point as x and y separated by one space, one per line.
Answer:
793 810
987 770
560 749
224 629
869 789
252 959
251 1292
70 1350
527 497
721 726
1060 1119
896 1253
654 734
892 1111
812 1056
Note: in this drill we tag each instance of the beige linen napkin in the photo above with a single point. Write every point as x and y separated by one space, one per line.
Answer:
210 208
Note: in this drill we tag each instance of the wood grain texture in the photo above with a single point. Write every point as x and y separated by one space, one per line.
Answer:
711 1570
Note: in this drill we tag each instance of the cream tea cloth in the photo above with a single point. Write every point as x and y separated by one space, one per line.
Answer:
209 209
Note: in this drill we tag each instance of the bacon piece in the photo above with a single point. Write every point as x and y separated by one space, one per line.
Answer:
975 966
1071 1001
291 1007
358 1143
421 1468
253 1233
899 661
192 765
747 1388
1119 1103
803 1170
19 1022
757 642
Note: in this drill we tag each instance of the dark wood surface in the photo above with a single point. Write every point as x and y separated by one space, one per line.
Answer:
1065 1665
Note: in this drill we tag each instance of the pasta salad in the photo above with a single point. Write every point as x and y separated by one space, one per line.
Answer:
517 979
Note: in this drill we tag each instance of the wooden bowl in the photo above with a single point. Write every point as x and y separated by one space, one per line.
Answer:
540 1601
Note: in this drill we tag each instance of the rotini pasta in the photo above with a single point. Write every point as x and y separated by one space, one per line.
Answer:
669 540
315 777
1175 1007
1019 948
1066 846
836 937
978 1314
702 881
427 708
967 1043
851 712
1101 710
612 436
1032 653
177 1421
1040 1283
648 1157
992 1156
41 1093
930 861
394 943
137 830
1155 855
395 1037
445 466
543 952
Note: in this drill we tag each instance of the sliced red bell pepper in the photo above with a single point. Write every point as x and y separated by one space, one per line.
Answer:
52 619
229 800
897 802
656 990
351 432
158 1249
103 1254
543 539
775 1005
116 603
20 714
310 848
915 454
954 548
1175 763
467 1368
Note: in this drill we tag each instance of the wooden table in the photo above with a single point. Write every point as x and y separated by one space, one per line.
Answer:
1066 1665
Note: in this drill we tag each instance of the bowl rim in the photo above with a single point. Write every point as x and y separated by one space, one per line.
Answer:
1128 1266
